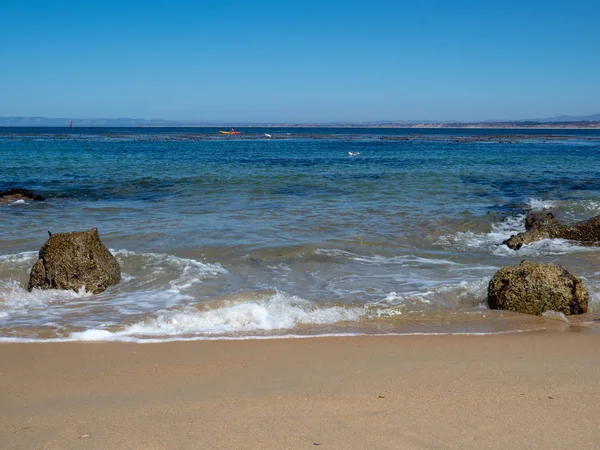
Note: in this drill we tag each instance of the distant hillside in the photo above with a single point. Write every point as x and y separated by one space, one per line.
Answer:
64 122
591 121
590 118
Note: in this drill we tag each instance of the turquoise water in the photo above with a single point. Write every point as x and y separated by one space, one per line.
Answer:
311 231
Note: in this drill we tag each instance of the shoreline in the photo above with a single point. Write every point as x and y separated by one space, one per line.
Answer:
588 327
538 390
433 126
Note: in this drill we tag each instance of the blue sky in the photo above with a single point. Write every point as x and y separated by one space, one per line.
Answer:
299 61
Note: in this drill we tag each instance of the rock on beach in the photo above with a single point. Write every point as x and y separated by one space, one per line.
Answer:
70 261
533 288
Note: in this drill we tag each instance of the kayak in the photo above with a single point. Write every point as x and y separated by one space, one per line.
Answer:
230 132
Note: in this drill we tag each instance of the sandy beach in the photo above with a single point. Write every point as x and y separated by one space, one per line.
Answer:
528 390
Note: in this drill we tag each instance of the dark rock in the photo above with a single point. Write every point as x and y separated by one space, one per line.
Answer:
70 261
537 219
516 241
11 195
586 232
533 288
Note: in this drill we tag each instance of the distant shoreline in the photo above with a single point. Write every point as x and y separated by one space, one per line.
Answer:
562 122
487 126
492 126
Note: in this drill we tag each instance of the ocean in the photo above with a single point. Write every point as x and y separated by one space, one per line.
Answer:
315 231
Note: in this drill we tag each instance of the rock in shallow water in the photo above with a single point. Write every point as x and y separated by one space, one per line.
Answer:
547 227
70 261
533 288
11 195
540 219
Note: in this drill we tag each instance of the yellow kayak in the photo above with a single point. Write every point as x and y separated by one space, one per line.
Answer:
230 132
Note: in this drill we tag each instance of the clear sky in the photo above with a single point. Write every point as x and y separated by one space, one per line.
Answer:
299 60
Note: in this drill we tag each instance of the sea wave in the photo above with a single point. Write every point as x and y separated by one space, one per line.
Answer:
161 298
149 281
275 312
537 204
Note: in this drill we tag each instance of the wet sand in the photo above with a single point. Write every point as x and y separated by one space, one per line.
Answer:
529 390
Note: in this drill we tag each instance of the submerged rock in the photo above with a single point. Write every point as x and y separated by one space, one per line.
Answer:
11 195
587 232
70 261
533 288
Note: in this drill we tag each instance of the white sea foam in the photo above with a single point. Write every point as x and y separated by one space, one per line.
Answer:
545 247
189 271
125 277
17 202
468 240
594 290
401 299
187 265
19 259
539 205
156 281
411 260
590 205
14 297
449 295
103 335
93 335
555 315
275 312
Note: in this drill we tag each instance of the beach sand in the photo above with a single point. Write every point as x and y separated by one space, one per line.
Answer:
527 390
